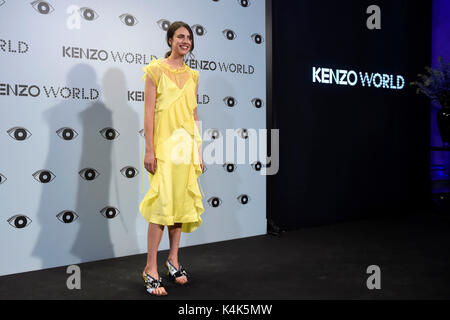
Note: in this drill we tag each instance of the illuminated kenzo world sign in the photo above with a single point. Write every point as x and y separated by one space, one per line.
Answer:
353 78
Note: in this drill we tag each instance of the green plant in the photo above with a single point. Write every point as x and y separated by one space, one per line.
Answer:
435 84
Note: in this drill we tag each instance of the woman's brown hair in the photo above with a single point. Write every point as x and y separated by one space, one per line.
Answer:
171 31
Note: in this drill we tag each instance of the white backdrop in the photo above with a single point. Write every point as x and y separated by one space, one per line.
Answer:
70 77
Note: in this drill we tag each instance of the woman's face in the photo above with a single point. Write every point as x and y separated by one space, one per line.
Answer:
181 42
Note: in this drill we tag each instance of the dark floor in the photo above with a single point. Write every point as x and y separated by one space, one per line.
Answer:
327 262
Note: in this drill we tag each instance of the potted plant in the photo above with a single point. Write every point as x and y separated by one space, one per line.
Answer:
436 86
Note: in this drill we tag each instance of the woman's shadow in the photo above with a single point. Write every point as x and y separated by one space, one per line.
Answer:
90 182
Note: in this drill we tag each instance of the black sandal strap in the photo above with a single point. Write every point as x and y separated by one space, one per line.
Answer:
152 282
179 272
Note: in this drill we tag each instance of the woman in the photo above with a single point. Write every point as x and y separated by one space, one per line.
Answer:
173 154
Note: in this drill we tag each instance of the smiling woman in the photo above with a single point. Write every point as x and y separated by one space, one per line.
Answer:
180 38
172 154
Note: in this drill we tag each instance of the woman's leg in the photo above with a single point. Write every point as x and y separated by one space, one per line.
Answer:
155 232
174 238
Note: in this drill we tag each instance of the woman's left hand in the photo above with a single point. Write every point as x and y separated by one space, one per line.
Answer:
202 164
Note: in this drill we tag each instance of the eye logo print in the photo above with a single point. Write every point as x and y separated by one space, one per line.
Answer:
19 133
19 221
243 133
129 172
2 179
257 102
213 133
214 202
244 3
128 19
230 101
43 176
66 133
88 14
229 34
163 24
257 166
229 167
67 216
257 38
109 212
199 30
43 7
109 133
243 199
89 174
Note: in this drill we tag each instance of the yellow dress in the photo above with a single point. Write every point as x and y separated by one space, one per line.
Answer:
174 195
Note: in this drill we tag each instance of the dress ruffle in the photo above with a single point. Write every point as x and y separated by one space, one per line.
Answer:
155 205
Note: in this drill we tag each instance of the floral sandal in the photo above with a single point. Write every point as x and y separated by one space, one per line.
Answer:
174 272
151 284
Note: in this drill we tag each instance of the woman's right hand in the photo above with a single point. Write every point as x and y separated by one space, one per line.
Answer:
150 162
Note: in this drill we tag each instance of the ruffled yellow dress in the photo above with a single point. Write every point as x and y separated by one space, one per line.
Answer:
174 194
